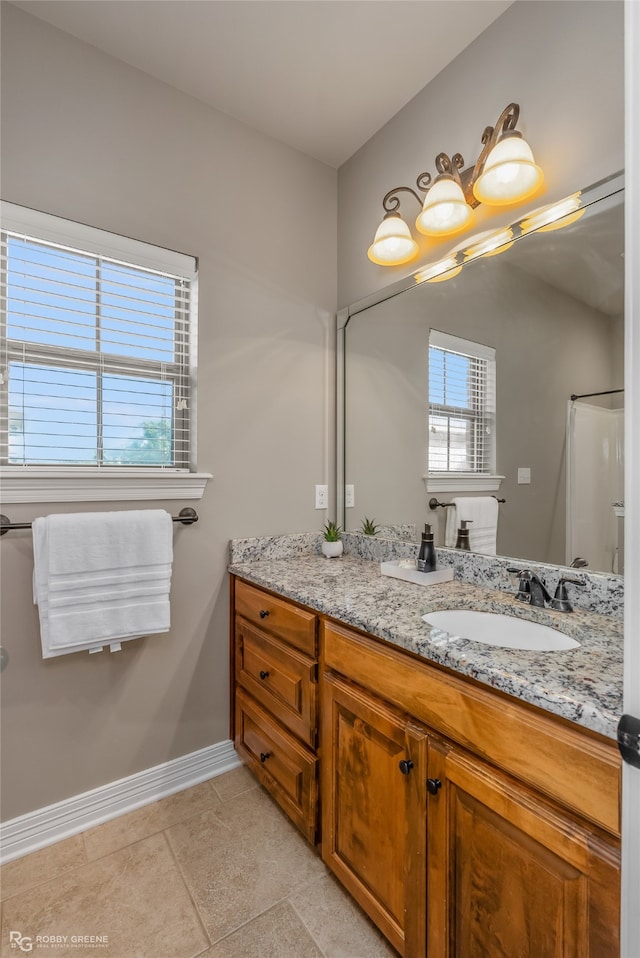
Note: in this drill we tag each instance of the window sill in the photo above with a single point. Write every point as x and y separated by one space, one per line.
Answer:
33 484
450 482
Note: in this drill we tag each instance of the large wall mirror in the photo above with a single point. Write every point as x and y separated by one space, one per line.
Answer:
552 307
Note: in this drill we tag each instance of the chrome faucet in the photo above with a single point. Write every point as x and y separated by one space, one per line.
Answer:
531 589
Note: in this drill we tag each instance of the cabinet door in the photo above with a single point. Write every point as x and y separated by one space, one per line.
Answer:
511 876
373 810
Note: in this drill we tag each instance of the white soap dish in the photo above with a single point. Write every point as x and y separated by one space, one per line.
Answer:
398 569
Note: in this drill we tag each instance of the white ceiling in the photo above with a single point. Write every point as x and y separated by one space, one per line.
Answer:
319 75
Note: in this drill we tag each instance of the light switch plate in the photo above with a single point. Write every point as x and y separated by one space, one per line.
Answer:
524 475
349 496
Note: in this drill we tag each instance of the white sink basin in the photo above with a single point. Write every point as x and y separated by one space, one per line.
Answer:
493 628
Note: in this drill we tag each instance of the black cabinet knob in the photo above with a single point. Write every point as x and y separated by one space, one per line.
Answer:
264 675
433 785
405 766
264 613
264 756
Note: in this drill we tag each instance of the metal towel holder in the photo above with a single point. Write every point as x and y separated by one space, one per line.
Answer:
186 516
433 503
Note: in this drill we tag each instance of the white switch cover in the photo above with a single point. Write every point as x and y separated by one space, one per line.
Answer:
322 497
524 475
349 496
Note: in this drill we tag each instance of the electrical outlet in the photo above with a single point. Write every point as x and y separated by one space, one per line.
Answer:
322 497
349 496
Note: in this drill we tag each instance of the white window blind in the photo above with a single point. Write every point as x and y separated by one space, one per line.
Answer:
462 403
96 344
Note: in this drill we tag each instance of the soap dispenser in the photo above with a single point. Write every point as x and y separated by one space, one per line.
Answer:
426 561
462 542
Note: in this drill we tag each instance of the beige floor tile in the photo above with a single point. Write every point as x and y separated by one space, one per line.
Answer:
278 933
129 828
41 866
135 897
234 783
337 923
241 859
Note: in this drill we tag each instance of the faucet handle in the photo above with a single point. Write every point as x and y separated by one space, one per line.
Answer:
560 601
524 587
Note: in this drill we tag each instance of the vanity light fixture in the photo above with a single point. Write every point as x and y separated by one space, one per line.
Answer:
445 210
555 216
489 244
441 271
393 243
505 173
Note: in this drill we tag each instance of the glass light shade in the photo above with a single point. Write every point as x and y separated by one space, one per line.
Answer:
393 243
490 243
555 216
510 174
439 272
445 210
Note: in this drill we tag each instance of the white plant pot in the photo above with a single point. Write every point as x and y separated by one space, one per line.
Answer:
332 549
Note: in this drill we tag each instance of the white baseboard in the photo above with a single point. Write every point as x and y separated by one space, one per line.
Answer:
45 826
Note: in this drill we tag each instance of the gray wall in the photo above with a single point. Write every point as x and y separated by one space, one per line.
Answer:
562 61
88 138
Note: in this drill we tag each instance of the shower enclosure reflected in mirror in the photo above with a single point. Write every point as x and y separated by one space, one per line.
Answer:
595 481
552 308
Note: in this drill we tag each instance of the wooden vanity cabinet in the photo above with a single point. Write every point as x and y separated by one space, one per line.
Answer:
275 699
374 770
466 823
462 858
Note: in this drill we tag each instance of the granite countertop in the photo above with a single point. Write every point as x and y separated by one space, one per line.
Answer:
583 684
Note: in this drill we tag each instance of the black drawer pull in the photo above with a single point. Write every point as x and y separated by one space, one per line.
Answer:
264 756
433 785
264 675
264 613
405 766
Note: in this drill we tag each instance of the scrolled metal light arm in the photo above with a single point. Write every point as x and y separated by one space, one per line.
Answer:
454 166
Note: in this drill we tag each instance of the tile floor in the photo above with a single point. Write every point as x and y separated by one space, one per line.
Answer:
216 871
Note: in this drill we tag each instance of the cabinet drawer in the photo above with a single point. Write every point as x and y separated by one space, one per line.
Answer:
280 678
285 767
277 616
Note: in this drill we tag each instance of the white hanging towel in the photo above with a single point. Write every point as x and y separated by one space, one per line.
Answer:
101 577
482 512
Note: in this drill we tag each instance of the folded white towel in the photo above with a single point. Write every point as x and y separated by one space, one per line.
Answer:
101 578
482 513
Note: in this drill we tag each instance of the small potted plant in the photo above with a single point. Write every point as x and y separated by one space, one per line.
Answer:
369 527
332 544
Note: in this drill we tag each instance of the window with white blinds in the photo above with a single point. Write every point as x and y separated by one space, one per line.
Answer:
462 404
96 347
